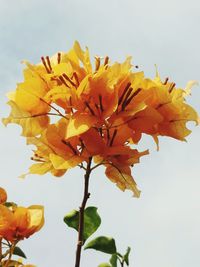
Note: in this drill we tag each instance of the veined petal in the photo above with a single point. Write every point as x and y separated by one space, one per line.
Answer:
123 179
22 219
189 86
175 129
79 123
40 168
58 93
7 223
28 96
146 121
60 163
84 57
90 138
31 125
36 215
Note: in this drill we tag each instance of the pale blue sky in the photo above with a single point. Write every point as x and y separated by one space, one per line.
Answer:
162 227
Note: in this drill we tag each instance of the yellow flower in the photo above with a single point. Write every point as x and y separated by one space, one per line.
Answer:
72 111
20 222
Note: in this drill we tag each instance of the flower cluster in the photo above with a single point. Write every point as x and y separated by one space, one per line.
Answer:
16 223
72 111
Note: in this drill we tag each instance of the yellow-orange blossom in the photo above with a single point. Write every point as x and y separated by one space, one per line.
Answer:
16 223
100 112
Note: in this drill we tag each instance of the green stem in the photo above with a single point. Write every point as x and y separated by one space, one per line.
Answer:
121 262
10 254
81 213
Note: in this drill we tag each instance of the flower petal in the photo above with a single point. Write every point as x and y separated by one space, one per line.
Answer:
123 179
79 123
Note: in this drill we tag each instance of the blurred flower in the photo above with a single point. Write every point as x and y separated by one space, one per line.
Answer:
19 222
14 263
3 195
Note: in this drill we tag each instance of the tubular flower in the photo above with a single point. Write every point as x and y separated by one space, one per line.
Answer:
72 111
20 222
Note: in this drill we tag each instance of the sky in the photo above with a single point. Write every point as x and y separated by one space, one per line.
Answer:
162 226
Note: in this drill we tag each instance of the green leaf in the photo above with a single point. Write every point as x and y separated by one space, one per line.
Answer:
17 251
10 204
72 219
103 244
126 256
120 255
92 221
104 265
113 260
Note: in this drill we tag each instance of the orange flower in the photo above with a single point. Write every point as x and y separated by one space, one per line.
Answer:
118 161
15 263
20 222
72 112
3 195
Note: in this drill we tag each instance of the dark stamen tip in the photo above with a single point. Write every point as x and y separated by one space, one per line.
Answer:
59 57
106 60
49 63
70 146
97 63
172 87
113 137
124 92
100 102
63 81
45 65
68 79
166 80
90 109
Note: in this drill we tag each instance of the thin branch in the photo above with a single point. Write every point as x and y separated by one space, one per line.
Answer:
97 165
10 253
81 166
81 213
5 254
1 248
